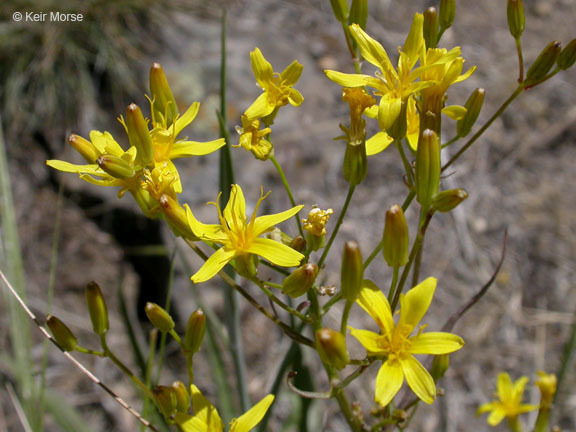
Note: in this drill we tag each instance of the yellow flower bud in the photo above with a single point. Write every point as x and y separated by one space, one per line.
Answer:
182 396
97 308
331 346
448 200
395 242
447 13
159 317
547 385
300 280
164 104
195 330
440 365
84 147
567 57
176 217
62 333
139 135
516 22
358 13
430 29
473 107
352 271
340 9
543 63
427 176
116 166
166 401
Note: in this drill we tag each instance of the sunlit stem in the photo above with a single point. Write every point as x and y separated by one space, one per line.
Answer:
395 274
89 351
288 191
345 314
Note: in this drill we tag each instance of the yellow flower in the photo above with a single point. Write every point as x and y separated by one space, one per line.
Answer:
240 236
509 403
547 385
277 87
253 139
443 68
395 344
206 418
317 220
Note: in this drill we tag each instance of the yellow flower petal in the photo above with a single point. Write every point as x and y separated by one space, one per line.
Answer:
253 416
213 265
414 41
186 118
235 210
419 379
295 97
496 416
265 223
291 74
504 387
190 423
261 107
263 71
416 302
388 110
207 232
352 80
105 143
194 148
388 382
435 343
275 252
377 143
369 340
205 411
78 169
455 112
373 301
371 49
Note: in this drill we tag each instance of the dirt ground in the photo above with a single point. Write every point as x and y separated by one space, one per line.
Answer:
519 176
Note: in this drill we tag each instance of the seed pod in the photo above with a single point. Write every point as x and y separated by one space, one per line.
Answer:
543 63
358 13
84 147
340 9
473 107
164 104
331 346
115 166
447 13
427 167
448 200
62 333
516 22
431 27
139 135
97 308
182 396
395 242
159 317
300 280
352 271
567 57
165 400
195 330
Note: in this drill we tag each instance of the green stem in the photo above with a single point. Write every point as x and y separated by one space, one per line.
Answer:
338 223
279 302
395 274
520 60
345 314
331 302
405 161
288 191
514 424
190 368
89 351
486 125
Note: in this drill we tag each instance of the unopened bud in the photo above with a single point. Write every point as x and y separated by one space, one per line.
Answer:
352 271
395 242
567 57
84 147
176 217
62 333
159 317
300 280
447 13
516 23
298 243
358 13
473 107
331 346
427 167
195 330
164 104
97 308
440 365
182 396
547 384
431 27
543 63
448 200
139 135
116 166
340 9
165 400
355 163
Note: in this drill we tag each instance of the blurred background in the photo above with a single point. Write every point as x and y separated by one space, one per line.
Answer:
59 78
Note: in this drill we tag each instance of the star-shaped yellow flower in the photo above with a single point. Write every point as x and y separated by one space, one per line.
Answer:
206 418
509 403
278 87
253 139
240 236
395 344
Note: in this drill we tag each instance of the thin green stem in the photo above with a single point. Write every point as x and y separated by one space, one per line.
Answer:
520 60
276 300
288 191
486 125
405 161
91 352
373 255
167 309
345 314
331 303
338 224
395 274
